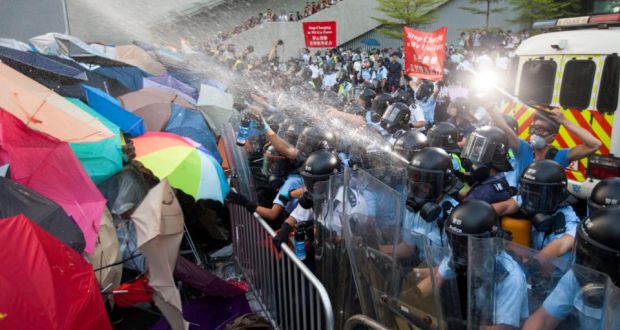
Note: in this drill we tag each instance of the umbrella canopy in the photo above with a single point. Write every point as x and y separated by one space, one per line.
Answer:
159 224
146 96
216 105
192 124
129 76
111 109
101 159
176 84
45 284
136 56
15 44
46 111
17 199
210 313
36 65
185 163
203 280
49 167
107 252
109 85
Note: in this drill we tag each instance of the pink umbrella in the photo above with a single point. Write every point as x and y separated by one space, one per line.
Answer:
49 166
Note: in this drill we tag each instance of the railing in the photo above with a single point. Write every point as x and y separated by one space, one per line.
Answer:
290 294
363 320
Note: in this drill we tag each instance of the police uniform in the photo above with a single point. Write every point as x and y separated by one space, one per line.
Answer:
540 239
391 138
293 181
510 294
492 190
414 227
565 298
428 107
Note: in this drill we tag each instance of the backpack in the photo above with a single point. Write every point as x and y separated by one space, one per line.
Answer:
249 321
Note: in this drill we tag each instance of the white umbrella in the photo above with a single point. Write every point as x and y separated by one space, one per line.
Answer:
216 105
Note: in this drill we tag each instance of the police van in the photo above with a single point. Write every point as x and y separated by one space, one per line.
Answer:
575 66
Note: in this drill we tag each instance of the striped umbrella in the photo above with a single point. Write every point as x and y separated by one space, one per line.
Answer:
185 163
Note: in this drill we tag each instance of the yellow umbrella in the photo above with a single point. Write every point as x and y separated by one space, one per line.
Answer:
43 110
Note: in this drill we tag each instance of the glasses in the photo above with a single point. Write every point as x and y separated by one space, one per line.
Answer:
540 130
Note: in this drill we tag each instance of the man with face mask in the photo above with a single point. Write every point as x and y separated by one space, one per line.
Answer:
597 247
428 205
543 131
542 196
487 153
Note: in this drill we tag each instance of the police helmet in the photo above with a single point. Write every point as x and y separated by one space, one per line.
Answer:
318 167
487 147
605 193
402 96
429 175
598 242
367 94
396 117
471 218
314 138
275 165
444 135
425 90
542 187
290 129
409 143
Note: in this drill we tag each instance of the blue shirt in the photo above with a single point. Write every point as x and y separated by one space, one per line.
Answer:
565 299
510 295
428 107
525 156
418 232
293 181
540 239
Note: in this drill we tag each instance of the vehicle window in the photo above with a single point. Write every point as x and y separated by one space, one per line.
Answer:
610 83
537 80
577 82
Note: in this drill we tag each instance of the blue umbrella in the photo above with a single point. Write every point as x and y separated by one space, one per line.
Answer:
192 124
36 65
371 42
111 109
129 76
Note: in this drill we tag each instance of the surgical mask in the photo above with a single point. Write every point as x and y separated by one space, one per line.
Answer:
537 142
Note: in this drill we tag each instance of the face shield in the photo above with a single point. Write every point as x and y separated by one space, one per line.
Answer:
541 197
594 255
394 119
479 149
275 165
426 185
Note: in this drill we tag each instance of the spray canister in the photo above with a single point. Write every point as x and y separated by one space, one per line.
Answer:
300 243
244 130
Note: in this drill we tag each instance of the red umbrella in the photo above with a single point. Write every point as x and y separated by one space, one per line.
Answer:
49 167
44 284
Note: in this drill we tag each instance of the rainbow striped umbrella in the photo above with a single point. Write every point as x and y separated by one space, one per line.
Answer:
185 163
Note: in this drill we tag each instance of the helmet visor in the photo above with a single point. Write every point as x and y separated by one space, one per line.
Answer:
540 197
424 184
275 165
479 149
593 255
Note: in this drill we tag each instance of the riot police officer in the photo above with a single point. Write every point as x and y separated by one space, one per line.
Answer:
445 135
580 292
395 121
507 301
542 198
409 143
428 204
487 154
605 193
366 97
379 104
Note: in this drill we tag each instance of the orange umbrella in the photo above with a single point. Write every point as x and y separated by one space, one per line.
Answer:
43 110
136 56
146 96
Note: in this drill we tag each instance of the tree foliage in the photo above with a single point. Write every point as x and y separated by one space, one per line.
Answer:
488 9
401 13
529 11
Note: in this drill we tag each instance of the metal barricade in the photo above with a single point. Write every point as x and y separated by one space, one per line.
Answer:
290 294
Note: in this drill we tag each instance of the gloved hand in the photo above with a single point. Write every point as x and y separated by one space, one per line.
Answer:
285 197
261 123
282 236
236 198
306 200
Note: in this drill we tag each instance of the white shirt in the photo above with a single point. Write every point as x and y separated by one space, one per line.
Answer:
416 114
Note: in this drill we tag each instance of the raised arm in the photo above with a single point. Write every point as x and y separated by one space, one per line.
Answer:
513 139
590 143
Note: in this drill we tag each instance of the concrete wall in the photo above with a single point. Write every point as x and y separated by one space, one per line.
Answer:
353 17
23 19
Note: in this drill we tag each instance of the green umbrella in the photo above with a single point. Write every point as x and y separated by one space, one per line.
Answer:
101 159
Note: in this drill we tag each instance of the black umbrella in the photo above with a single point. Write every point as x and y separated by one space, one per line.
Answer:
36 65
48 215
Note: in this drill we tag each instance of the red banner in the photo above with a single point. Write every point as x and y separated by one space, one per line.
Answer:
425 53
320 34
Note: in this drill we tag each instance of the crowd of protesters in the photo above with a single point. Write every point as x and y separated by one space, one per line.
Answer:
283 15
